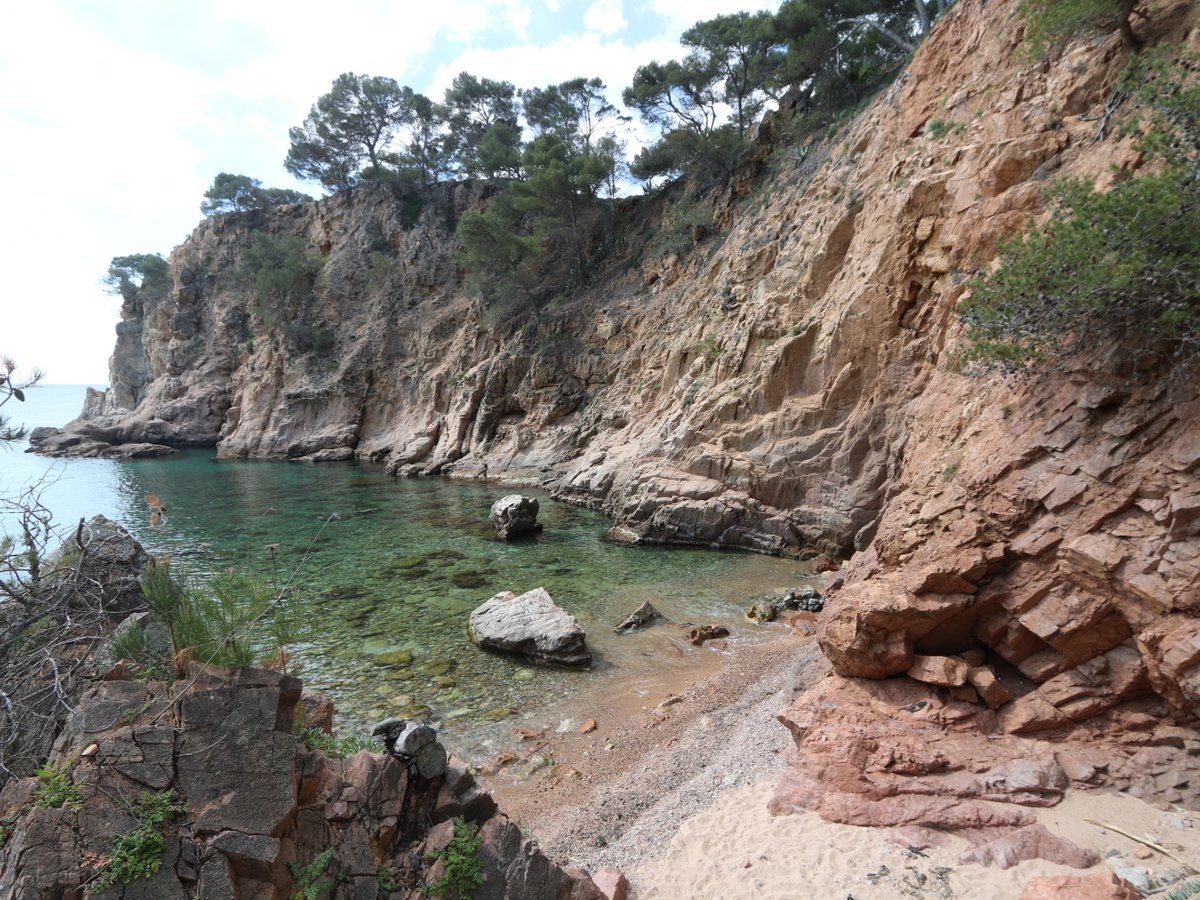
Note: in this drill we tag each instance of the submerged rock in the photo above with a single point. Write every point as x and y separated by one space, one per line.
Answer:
698 634
393 658
762 611
515 516
532 625
468 580
639 618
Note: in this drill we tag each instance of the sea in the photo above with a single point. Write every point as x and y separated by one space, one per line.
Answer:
389 570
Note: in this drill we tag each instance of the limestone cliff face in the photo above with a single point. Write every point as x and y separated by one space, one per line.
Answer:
786 382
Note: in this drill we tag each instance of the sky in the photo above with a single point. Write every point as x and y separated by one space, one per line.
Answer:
115 115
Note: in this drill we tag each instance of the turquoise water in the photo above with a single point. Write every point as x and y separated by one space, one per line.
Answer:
389 571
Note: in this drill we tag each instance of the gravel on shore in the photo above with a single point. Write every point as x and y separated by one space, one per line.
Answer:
617 795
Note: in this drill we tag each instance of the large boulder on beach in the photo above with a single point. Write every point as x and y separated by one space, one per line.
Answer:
515 516
532 625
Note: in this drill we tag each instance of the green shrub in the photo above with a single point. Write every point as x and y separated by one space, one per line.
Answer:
311 881
55 789
385 880
230 619
1121 266
281 272
333 747
135 645
1050 24
709 349
138 853
463 871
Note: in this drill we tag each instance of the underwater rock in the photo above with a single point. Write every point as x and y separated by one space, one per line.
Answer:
468 580
393 658
762 611
530 624
434 667
639 618
515 516
409 562
698 634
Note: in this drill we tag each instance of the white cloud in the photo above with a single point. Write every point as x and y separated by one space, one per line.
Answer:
528 65
681 16
97 132
605 17
111 134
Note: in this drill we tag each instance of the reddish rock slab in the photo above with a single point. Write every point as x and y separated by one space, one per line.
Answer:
1031 842
612 883
701 633
1099 886
993 693
944 671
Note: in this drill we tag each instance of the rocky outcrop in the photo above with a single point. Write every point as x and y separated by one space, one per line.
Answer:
1030 580
531 625
55 628
76 444
256 807
515 516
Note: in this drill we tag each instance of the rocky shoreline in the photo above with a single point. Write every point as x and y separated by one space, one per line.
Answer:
1016 623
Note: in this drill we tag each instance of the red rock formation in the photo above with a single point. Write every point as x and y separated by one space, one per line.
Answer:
1040 538
254 801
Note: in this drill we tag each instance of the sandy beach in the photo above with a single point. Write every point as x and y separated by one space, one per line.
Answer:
675 795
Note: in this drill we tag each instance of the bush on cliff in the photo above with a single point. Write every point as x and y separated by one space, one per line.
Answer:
1121 266
240 193
281 272
230 619
1051 23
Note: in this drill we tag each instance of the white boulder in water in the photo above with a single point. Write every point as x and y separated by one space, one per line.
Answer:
530 624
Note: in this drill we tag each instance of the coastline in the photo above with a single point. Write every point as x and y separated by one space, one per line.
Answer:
676 798
616 796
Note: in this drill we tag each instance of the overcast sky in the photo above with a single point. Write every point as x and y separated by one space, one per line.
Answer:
116 114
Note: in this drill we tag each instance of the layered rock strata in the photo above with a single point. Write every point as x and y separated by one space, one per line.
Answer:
256 804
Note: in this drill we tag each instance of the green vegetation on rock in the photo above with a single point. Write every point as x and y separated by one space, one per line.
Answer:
54 788
240 193
229 619
1051 23
463 868
138 853
281 272
1121 266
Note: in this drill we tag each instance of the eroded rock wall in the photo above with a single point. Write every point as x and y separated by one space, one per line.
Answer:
759 388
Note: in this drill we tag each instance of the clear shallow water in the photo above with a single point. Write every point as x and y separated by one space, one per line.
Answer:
389 571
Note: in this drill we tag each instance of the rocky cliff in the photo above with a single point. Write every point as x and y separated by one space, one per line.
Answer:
785 381
760 387
255 813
